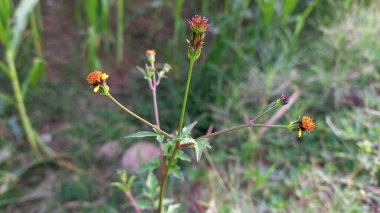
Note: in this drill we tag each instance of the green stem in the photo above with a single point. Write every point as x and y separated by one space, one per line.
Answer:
138 117
271 106
164 177
20 102
240 127
185 96
171 158
36 34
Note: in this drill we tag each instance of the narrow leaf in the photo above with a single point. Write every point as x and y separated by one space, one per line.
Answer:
120 186
187 129
6 99
34 74
142 134
5 17
23 11
130 182
5 69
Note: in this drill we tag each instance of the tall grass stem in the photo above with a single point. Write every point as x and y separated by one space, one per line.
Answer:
20 103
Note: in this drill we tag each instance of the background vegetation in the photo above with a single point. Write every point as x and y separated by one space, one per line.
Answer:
324 53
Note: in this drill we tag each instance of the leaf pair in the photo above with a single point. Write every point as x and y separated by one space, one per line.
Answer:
125 182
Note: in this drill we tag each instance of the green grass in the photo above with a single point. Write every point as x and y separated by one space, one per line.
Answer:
253 54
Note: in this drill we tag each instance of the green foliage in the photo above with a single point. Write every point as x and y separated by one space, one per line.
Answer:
97 13
199 146
256 50
35 73
5 23
74 190
125 183
23 10
150 192
142 134
267 11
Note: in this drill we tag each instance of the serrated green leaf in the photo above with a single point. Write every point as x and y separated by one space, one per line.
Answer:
144 204
173 208
123 176
152 186
182 156
187 140
151 181
152 165
187 129
160 138
176 171
142 134
199 146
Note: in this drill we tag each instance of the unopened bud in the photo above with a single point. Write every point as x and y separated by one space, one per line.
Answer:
151 55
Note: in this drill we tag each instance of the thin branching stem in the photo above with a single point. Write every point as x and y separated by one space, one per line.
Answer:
185 96
171 158
241 127
251 123
153 86
138 117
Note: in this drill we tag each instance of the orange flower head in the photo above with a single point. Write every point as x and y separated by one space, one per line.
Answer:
150 52
97 79
307 124
301 125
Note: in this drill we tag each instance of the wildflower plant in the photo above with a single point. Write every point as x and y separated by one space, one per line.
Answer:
171 144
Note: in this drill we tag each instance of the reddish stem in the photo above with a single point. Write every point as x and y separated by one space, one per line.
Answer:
133 201
153 85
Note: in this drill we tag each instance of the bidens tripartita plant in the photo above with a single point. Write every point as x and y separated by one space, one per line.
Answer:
171 144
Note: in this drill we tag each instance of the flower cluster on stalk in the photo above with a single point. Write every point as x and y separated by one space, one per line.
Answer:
198 27
97 79
302 124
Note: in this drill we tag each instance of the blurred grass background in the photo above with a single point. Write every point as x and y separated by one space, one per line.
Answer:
324 50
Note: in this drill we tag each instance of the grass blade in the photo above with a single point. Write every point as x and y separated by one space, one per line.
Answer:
35 73
22 13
